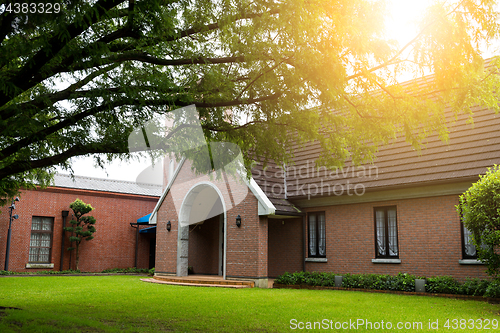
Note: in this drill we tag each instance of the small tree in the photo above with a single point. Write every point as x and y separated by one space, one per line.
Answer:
479 208
82 228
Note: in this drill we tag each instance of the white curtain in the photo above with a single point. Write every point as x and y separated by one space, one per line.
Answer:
40 242
47 223
470 249
322 235
312 235
393 232
380 224
36 223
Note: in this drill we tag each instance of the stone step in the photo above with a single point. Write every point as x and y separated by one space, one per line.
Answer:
192 283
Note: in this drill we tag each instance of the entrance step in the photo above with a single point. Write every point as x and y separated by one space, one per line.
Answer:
200 281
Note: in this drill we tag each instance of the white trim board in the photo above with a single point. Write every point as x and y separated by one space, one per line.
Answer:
397 194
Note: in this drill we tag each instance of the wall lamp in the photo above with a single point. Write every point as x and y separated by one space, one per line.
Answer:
238 221
169 226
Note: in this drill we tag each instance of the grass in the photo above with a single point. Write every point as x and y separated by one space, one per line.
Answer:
125 304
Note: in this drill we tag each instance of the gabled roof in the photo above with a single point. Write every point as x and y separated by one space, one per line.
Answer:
106 185
265 206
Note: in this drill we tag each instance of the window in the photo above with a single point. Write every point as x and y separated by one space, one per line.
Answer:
468 247
317 235
41 239
386 232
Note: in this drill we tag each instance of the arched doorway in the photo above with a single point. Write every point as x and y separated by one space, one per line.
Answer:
202 218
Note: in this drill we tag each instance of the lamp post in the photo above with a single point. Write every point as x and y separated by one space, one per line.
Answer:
15 217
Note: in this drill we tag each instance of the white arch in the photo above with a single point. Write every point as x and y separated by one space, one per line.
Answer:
183 226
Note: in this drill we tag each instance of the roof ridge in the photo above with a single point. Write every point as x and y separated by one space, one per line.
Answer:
104 179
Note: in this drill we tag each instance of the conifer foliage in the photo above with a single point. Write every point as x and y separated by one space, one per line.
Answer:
82 228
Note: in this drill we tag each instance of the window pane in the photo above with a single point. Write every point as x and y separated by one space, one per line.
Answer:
380 224
44 255
35 239
36 223
45 240
393 232
312 235
322 235
33 254
47 223
470 249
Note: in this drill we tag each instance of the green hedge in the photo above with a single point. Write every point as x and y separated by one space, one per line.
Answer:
307 278
126 270
71 271
400 282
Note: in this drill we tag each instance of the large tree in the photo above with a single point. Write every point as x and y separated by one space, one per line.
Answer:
77 82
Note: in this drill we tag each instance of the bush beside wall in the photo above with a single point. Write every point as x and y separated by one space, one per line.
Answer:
400 282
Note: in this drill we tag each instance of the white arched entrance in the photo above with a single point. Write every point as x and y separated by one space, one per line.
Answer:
203 201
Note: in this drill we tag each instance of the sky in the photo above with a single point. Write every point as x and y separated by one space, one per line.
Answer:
401 20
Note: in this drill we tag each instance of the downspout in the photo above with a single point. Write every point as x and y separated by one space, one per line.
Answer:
304 243
136 241
64 216
136 245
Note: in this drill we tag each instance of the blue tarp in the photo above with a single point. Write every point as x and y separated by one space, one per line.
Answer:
144 219
150 230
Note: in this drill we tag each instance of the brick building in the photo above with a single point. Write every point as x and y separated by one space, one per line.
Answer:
395 215
116 204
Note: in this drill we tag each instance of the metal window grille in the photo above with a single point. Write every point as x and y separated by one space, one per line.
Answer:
41 239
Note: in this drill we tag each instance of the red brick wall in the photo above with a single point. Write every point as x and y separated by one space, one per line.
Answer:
246 246
114 242
166 241
429 239
285 246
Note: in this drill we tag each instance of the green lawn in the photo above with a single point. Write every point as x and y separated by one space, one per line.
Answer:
124 303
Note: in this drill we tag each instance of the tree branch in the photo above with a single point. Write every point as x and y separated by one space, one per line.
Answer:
77 150
143 57
25 77
49 99
258 77
73 119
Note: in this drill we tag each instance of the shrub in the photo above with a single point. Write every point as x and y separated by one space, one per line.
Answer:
404 282
285 278
474 287
442 284
126 270
479 208
400 282
493 289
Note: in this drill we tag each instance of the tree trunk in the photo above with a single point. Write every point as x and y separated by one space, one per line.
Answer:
77 259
